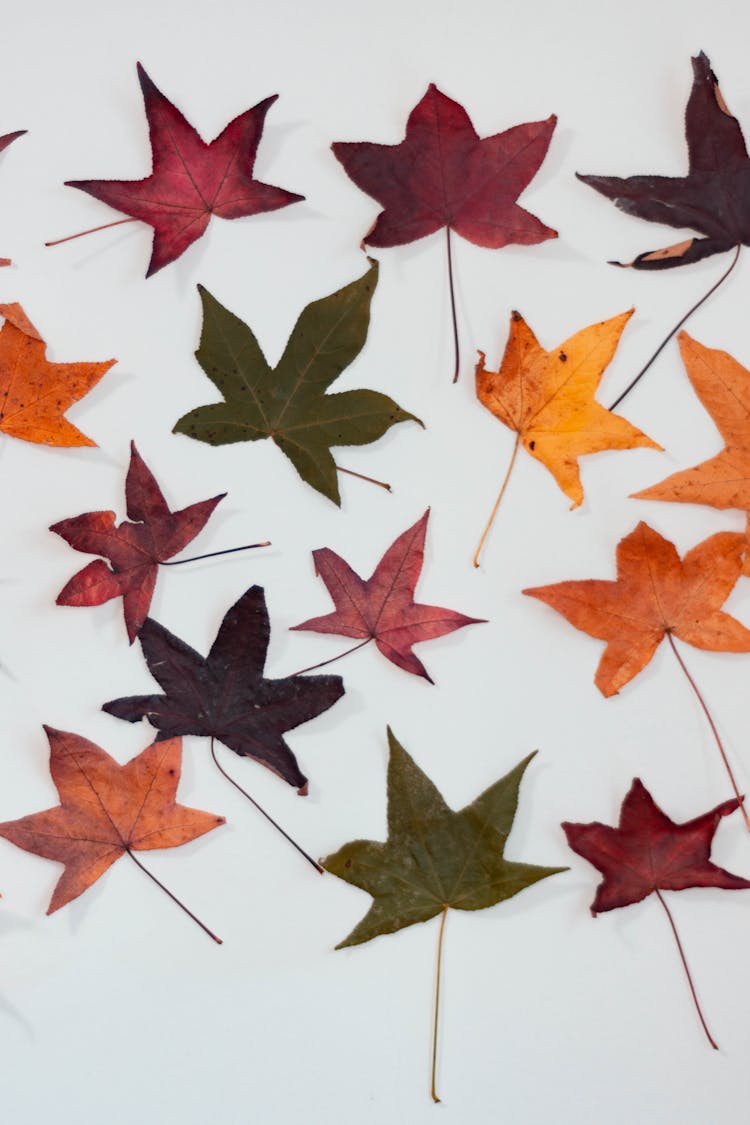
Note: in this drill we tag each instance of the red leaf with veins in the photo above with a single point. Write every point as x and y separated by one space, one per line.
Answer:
191 180
133 550
382 608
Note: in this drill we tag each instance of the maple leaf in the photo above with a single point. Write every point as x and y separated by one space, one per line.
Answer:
382 607
225 695
434 858
134 550
443 175
6 140
190 179
107 810
288 403
548 399
34 393
648 853
713 198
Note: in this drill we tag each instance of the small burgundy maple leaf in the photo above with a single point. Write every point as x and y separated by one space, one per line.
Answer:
134 549
191 179
382 608
648 853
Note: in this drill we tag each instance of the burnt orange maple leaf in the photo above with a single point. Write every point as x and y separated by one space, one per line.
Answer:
548 399
34 393
723 386
106 810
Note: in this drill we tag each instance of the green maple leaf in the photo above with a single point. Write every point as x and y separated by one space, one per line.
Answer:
289 402
434 858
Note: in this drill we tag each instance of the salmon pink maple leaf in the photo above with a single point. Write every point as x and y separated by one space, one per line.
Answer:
134 549
191 179
382 608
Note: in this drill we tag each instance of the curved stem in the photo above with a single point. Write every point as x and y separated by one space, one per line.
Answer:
174 898
361 476
676 328
332 660
260 809
213 554
500 494
91 230
453 304
714 731
443 916
709 1036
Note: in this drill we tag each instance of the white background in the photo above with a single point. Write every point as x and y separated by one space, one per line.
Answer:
117 1010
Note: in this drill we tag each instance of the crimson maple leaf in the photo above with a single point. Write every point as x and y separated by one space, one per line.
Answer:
382 608
191 180
134 550
443 175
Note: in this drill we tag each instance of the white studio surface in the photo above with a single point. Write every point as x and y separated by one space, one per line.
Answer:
116 1010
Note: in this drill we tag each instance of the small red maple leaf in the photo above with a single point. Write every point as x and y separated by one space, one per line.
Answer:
382 608
191 179
134 549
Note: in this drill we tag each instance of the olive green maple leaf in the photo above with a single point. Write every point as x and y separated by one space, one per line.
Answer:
289 402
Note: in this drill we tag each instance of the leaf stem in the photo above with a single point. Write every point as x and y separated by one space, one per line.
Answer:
500 494
714 731
676 328
332 659
260 809
174 898
361 476
453 303
213 554
710 1038
91 230
443 916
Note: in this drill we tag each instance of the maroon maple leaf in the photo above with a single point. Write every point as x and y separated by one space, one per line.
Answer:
134 550
648 853
443 175
382 608
191 180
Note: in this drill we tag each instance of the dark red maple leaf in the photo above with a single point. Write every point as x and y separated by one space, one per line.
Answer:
134 550
382 608
6 140
648 853
443 175
191 179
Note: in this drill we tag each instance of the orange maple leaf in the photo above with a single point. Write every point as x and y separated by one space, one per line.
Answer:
34 393
106 810
548 399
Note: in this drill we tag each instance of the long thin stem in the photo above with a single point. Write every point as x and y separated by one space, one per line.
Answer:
91 230
361 476
260 809
709 1036
453 304
443 916
500 495
174 898
332 659
213 554
714 731
676 328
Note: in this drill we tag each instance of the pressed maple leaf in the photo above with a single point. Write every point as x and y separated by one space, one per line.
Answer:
6 140
288 403
191 180
648 853
134 550
382 607
656 595
548 399
107 810
442 175
225 695
34 393
434 858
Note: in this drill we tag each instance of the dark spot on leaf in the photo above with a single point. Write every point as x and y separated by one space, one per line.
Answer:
563 358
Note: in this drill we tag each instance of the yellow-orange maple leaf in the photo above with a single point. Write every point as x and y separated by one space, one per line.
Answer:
34 393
